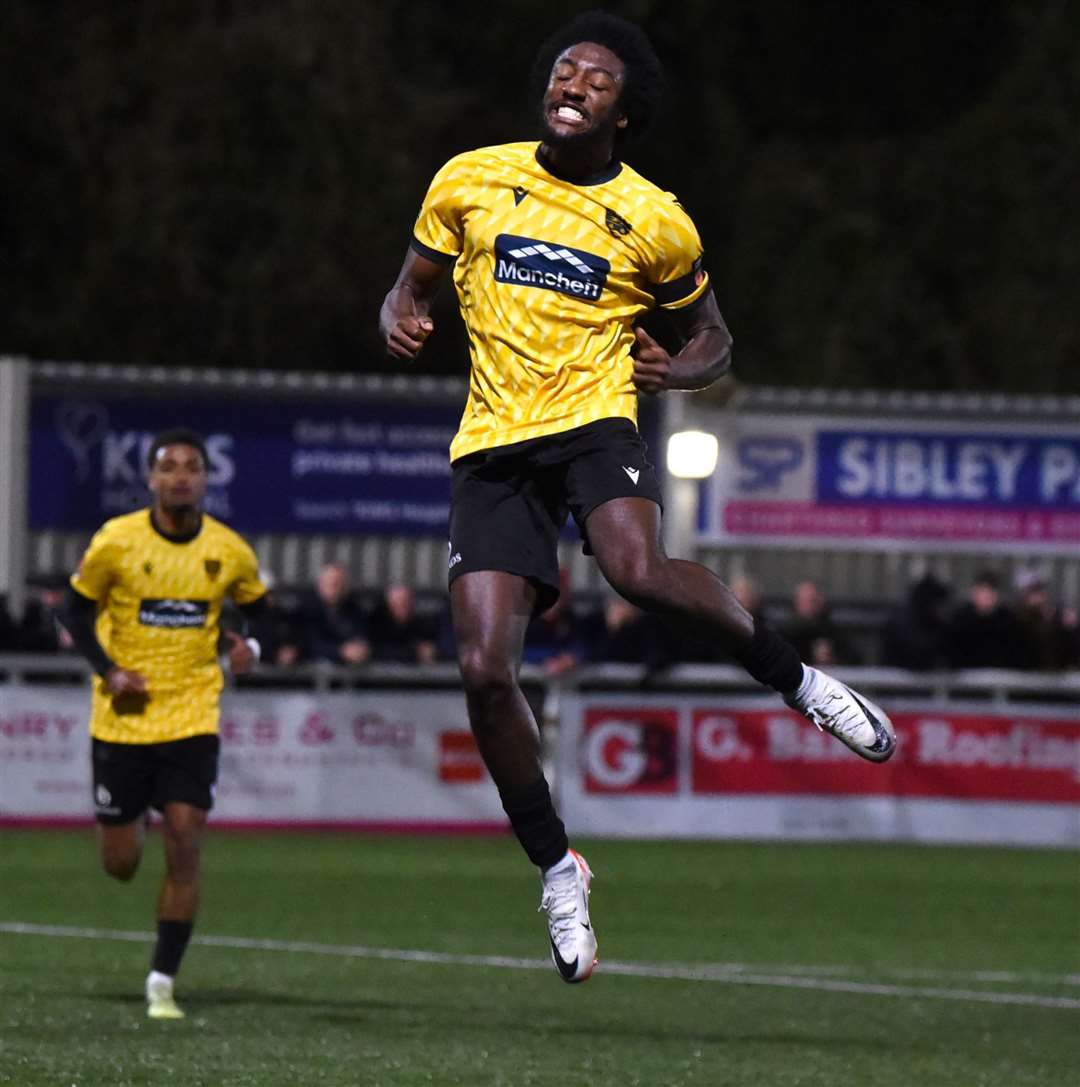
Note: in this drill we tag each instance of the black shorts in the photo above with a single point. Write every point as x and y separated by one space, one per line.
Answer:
129 778
508 505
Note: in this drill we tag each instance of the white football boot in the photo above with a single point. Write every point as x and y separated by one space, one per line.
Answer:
566 901
838 710
160 1003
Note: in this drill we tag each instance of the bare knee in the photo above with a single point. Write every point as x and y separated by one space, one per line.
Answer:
120 866
120 849
183 849
637 578
488 678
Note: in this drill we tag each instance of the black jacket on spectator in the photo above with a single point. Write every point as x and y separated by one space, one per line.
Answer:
40 630
914 637
635 640
398 642
808 635
7 627
327 628
984 640
1049 642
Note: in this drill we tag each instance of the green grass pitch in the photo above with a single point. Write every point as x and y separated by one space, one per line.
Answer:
341 959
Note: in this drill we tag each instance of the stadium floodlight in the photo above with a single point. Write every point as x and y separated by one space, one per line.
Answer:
691 454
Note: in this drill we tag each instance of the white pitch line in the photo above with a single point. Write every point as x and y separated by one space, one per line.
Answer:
720 973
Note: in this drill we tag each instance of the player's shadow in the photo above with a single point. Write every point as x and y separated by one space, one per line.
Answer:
200 1000
628 1029
423 1015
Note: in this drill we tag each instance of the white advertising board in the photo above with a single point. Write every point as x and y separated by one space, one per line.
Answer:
379 759
656 765
886 484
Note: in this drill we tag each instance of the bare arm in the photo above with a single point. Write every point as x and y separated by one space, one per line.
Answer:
403 320
704 356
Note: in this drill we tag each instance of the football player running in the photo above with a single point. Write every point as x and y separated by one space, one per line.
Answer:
144 608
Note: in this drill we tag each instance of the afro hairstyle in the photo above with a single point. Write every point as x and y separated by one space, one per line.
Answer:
644 84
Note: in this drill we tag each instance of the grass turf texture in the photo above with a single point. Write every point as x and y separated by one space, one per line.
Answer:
907 919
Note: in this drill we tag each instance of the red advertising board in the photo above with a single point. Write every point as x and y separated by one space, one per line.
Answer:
631 750
459 757
949 755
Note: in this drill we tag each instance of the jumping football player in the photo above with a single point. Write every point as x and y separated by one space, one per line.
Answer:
558 247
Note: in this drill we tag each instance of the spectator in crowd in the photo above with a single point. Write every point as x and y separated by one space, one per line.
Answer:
40 630
1070 620
812 630
285 642
621 633
552 638
914 636
672 646
445 641
7 627
397 633
748 593
676 646
746 590
334 626
983 632
1050 633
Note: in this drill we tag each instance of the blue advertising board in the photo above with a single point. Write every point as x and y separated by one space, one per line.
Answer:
276 465
985 468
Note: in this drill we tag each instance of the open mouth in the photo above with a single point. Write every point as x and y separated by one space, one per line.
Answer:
567 114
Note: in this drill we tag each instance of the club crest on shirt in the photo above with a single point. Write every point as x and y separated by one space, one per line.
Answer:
615 223
213 568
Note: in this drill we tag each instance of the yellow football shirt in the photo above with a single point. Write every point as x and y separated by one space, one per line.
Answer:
551 277
159 605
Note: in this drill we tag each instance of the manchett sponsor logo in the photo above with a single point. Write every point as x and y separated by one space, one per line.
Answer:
532 263
173 613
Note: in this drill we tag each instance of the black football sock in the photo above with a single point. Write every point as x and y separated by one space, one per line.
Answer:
536 824
172 941
771 660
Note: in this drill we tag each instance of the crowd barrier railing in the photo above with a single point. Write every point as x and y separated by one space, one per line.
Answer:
997 685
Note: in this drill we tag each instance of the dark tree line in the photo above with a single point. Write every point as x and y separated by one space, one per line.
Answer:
888 193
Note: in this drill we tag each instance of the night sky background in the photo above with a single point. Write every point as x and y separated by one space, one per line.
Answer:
889 193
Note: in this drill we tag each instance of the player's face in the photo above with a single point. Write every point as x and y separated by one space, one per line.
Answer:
581 102
178 477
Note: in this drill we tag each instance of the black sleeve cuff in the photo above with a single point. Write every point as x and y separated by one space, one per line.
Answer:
432 254
256 615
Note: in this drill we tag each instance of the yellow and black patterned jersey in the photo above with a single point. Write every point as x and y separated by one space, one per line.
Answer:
551 276
159 605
